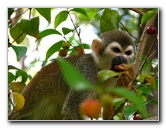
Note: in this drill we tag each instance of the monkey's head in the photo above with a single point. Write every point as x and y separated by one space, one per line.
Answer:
113 48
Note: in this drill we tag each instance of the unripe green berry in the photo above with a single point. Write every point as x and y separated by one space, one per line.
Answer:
66 45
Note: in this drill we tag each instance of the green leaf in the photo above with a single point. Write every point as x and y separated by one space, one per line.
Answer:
118 116
12 67
17 34
30 27
146 68
11 77
45 12
80 10
73 77
61 17
10 12
84 46
103 75
66 30
151 102
19 72
155 62
147 65
146 90
141 78
29 77
54 48
118 102
109 20
129 111
20 51
131 96
155 84
48 32
23 74
147 16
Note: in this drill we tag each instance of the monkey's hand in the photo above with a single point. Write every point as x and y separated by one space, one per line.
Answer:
127 74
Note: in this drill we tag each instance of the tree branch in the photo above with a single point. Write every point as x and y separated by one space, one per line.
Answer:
137 11
142 44
143 63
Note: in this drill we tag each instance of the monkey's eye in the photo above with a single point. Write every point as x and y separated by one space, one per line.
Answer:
128 52
117 50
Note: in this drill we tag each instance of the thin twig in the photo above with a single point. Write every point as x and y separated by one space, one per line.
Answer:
65 38
129 32
152 54
75 27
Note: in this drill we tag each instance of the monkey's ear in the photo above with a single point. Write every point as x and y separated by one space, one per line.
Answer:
96 46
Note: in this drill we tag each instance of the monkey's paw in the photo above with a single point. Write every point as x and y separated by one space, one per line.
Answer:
127 74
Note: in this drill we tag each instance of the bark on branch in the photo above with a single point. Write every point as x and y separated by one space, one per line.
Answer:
142 44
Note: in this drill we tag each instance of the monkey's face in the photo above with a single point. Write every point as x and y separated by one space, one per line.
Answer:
118 54
113 48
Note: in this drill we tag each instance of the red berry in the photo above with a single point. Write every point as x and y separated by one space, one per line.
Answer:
63 53
91 108
136 117
151 30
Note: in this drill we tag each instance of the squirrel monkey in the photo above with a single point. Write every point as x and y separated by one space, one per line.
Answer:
48 97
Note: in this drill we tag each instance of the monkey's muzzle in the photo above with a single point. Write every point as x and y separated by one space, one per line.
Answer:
118 60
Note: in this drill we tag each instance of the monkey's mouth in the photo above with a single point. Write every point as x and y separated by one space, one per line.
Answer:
117 61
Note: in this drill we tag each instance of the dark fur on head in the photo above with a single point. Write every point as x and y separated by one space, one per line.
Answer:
115 35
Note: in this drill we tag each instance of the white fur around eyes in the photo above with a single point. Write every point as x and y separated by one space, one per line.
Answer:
113 45
117 45
130 48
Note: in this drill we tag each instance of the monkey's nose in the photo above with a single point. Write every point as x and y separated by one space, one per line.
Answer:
118 60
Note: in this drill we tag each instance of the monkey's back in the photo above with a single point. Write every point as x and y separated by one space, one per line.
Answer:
46 92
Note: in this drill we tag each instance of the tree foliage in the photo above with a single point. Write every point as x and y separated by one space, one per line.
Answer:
136 98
